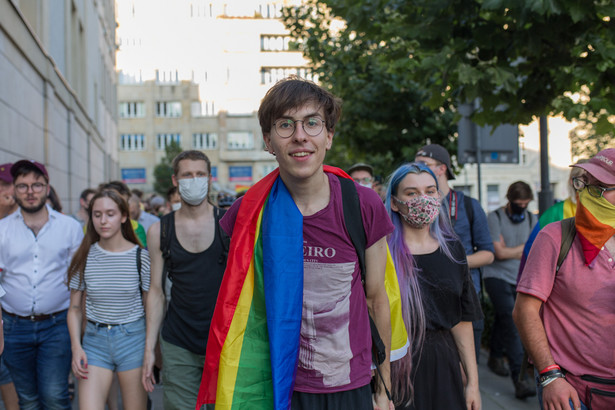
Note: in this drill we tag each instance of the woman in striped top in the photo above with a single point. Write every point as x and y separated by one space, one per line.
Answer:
114 272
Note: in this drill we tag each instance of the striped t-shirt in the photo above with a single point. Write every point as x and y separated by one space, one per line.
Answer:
111 284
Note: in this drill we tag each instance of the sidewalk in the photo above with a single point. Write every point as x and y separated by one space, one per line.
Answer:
497 392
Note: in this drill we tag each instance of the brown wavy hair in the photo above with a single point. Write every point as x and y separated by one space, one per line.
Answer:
77 264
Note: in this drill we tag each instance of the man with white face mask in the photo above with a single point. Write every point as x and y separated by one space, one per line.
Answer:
190 245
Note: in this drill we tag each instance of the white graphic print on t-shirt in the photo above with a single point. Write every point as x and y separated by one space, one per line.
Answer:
325 340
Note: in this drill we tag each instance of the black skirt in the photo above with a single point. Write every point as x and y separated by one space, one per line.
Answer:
437 374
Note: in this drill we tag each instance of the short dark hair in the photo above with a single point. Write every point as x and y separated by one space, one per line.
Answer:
295 92
138 193
171 191
193 155
519 190
118 186
86 192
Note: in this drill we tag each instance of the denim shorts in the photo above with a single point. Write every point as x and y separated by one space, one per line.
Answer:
118 348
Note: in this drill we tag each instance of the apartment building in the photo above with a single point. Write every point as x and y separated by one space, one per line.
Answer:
154 114
58 90
195 72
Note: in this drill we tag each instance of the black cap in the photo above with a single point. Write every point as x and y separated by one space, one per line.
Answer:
361 167
439 153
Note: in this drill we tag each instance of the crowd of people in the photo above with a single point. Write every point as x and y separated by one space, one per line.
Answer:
270 299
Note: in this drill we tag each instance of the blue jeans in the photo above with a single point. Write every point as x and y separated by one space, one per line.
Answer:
38 355
504 336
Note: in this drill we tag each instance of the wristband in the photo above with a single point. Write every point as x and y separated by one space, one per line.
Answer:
552 367
548 379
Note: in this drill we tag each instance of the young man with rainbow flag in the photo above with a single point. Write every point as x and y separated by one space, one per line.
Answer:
291 326
566 319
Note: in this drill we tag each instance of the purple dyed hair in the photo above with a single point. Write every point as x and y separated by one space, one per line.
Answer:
407 273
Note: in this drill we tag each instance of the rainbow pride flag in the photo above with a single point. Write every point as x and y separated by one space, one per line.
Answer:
253 346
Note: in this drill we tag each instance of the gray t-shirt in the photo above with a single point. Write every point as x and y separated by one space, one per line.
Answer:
514 235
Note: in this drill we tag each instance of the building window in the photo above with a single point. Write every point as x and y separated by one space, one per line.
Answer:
275 42
269 10
203 109
162 140
271 75
493 197
132 109
205 140
240 140
169 109
132 142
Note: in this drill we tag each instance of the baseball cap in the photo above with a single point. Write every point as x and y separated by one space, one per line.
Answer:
31 164
601 166
439 153
361 167
156 201
5 173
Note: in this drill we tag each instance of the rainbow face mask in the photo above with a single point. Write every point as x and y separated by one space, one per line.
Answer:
595 223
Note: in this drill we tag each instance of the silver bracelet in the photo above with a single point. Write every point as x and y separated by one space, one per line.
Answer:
551 379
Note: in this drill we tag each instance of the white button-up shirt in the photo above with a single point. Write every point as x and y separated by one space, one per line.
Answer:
35 267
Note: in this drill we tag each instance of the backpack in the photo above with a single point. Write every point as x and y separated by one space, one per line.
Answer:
167 223
354 226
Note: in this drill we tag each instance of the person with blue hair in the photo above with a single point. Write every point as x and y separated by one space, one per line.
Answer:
438 298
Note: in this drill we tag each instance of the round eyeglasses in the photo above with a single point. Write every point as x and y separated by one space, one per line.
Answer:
286 127
36 187
594 190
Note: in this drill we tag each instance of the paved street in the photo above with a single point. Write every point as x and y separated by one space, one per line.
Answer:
497 392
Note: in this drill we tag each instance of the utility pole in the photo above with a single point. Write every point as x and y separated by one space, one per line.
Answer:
545 196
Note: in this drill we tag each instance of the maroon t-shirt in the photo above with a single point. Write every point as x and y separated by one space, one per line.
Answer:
335 343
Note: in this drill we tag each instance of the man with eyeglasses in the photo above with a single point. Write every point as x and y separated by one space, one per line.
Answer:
566 318
316 305
36 245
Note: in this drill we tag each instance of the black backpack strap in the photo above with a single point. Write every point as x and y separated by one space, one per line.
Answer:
139 263
166 225
467 202
569 231
353 221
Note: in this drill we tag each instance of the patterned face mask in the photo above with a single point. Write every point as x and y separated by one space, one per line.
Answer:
422 210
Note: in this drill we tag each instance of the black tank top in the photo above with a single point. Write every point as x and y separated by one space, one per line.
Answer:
196 281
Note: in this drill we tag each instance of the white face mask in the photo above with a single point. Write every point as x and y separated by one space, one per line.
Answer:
193 190
366 184
176 206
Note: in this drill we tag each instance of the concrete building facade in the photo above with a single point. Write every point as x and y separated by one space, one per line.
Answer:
58 100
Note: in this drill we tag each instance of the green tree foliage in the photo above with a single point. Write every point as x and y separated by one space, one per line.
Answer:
590 136
383 120
520 58
164 171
